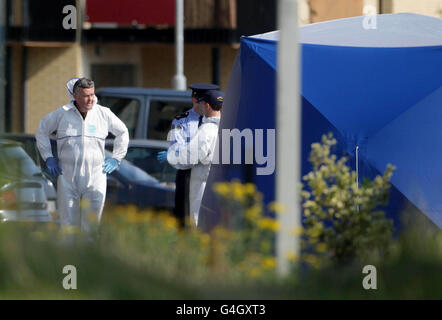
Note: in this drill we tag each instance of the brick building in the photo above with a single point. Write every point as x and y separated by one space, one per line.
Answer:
133 44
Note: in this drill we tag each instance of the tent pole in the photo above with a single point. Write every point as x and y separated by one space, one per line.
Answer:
357 171
357 167
288 135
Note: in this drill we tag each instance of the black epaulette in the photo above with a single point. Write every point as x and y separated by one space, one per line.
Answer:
182 115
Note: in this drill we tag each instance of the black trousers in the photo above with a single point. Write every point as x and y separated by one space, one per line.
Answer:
182 185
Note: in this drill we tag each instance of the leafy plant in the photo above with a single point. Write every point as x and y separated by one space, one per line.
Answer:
342 221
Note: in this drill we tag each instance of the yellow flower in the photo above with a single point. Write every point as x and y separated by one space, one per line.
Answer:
204 240
292 256
238 191
132 216
254 272
220 233
268 224
170 222
222 189
249 188
297 231
253 212
67 229
131 213
138 217
313 260
321 247
277 207
268 263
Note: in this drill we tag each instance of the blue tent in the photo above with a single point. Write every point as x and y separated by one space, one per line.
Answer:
376 89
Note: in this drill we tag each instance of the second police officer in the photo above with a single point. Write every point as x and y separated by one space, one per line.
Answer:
183 128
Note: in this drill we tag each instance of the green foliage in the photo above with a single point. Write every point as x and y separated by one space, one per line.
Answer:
247 234
342 220
144 255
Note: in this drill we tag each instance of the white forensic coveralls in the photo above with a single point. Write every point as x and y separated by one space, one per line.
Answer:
80 148
196 155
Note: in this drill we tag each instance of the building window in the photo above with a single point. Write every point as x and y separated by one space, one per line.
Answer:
113 75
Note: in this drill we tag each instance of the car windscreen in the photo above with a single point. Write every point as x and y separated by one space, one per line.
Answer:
161 114
16 162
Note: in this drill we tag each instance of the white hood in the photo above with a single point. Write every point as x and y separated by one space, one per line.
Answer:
70 86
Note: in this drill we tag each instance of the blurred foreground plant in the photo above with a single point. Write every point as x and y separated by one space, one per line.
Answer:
342 220
252 230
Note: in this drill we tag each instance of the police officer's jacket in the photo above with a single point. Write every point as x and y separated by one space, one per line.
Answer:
196 155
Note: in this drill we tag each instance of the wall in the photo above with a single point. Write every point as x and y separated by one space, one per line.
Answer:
426 7
50 68
16 89
159 64
112 54
323 10
201 13
48 71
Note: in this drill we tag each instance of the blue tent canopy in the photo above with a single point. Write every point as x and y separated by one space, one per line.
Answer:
378 89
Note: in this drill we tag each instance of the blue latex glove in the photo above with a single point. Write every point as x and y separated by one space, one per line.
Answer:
110 165
53 167
162 156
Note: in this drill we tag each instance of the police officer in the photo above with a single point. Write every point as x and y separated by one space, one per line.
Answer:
198 153
183 128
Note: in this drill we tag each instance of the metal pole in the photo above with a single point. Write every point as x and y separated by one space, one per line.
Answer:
4 110
79 8
216 62
288 133
179 80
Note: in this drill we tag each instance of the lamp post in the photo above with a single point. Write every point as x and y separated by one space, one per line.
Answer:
179 80
288 134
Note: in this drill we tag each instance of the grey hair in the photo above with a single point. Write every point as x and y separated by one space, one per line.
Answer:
83 83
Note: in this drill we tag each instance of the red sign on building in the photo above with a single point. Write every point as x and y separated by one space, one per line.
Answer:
131 12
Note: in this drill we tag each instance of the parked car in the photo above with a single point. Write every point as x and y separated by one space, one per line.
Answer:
151 185
143 154
28 143
147 113
132 185
22 194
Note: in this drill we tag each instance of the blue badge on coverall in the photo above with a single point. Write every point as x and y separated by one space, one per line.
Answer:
92 128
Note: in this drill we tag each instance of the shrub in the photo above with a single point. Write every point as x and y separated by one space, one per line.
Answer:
342 222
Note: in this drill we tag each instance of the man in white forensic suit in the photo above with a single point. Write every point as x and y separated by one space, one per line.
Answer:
81 129
197 154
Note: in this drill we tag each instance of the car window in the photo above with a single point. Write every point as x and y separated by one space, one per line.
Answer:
15 161
131 172
28 144
124 108
161 114
146 159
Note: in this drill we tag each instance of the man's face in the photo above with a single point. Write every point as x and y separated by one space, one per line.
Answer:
85 99
205 108
197 106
